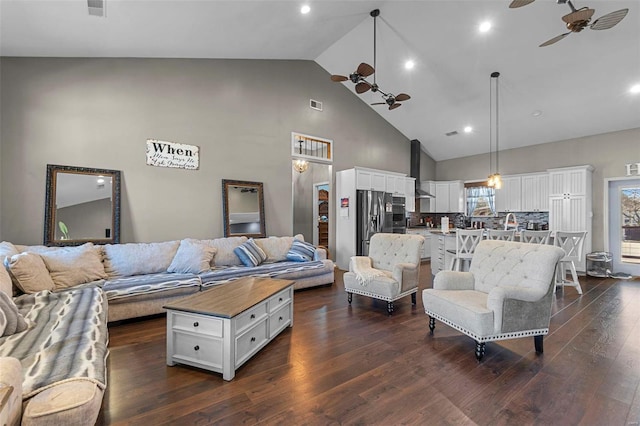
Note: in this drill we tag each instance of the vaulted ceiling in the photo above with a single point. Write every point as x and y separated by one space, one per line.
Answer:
579 86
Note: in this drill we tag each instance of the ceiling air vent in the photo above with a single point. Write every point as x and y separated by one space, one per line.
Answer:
96 7
455 132
315 104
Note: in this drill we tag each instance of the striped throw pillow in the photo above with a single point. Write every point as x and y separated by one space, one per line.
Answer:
301 251
249 253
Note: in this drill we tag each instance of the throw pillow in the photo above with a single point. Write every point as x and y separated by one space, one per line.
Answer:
192 257
301 251
124 260
6 250
70 266
29 272
250 254
11 320
225 255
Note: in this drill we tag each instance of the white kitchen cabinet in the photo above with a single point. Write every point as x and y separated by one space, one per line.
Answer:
371 180
395 185
410 194
535 192
508 198
456 197
449 197
570 203
442 197
440 258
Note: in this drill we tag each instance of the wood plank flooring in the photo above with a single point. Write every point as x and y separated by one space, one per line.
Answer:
342 364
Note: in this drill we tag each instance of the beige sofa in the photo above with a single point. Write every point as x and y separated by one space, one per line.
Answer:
109 283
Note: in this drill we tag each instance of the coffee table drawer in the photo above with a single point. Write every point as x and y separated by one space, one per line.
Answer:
279 320
251 316
279 299
200 350
197 324
251 341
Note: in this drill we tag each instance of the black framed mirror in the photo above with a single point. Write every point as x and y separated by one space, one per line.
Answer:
82 205
243 209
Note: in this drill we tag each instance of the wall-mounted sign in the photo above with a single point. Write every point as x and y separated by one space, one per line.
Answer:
633 169
170 154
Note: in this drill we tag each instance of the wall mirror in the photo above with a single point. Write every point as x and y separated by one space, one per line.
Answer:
82 205
243 204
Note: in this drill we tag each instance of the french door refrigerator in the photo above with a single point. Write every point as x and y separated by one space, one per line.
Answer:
374 214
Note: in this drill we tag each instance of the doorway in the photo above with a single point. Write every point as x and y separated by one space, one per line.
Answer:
321 214
623 222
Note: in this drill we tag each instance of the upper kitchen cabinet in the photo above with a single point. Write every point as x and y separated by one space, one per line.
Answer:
535 192
508 198
395 185
371 180
410 194
569 181
449 197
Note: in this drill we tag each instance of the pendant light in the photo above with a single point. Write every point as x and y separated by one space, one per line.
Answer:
495 180
300 165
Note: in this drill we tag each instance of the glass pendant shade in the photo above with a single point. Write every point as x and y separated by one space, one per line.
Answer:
300 166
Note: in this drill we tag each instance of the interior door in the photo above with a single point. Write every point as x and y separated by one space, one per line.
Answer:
624 225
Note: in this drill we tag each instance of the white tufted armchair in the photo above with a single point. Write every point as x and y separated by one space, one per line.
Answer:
507 293
391 271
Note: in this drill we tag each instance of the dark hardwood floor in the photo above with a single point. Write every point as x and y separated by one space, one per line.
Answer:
342 364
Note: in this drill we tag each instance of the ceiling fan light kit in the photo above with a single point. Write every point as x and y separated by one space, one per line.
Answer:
364 70
579 19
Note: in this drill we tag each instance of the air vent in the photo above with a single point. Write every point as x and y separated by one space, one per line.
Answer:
96 7
455 132
315 104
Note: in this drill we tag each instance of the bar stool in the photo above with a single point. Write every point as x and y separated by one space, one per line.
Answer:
535 237
466 242
572 244
499 234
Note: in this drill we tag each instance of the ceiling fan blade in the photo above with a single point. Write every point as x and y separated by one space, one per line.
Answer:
609 20
403 97
583 14
555 39
338 78
379 103
519 3
362 87
394 106
365 70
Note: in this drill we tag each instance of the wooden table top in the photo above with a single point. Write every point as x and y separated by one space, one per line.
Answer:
231 299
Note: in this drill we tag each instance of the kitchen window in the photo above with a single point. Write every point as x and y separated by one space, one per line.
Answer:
480 200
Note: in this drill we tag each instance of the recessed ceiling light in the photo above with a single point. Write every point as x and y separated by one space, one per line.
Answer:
536 113
635 89
409 64
484 27
305 9
468 129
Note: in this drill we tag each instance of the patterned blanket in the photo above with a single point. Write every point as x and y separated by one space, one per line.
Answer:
221 275
67 340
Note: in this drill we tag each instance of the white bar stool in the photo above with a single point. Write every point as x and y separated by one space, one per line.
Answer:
572 244
466 242
502 235
534 237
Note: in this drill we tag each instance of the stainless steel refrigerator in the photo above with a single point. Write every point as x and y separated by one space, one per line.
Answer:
374 214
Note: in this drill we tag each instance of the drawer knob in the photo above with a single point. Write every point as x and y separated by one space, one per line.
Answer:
280 319
280 300
196 348
252 316
253 339
195 324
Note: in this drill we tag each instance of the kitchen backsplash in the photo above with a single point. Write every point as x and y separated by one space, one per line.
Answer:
459 220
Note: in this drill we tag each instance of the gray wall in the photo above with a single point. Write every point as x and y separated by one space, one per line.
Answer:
607 153
99 112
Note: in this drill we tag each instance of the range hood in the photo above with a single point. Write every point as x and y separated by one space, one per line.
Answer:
414 170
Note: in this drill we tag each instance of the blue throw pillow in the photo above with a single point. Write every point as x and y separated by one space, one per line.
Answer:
301 251
249 253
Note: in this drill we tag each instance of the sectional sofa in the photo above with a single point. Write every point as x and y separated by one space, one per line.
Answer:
54 340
